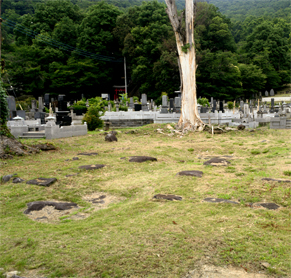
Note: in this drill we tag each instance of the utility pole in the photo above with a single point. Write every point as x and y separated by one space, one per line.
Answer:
0 31
124 74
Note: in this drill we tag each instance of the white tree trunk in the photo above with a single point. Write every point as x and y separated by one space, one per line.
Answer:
190 119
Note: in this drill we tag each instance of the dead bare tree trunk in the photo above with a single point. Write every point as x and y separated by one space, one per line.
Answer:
190 119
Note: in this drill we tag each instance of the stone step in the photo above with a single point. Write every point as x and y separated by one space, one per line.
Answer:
32 135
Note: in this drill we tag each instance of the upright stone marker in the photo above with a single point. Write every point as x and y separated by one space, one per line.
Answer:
272 93
178 104
266 94
221 106
40 104
213 106
272 110
164 109
131 104
144 102
11 107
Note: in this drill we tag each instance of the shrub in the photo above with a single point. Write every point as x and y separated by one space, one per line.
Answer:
203 101
287 173
92 117
230 105
3 105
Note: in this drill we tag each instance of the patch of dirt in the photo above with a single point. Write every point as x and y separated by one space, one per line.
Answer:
211 271
101 200
49 214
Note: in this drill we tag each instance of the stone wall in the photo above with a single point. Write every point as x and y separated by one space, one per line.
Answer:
122 123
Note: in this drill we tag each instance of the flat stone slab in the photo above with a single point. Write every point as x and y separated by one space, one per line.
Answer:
17 180
7 178
92 167
218 200
168 197
98 200
140 159
192 173
39 205
217 161
271 206
270 179
45 147
88 154
42 181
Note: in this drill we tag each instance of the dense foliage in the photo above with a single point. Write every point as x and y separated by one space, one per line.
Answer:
77 47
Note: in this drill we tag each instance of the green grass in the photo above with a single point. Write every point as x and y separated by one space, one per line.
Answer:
136 237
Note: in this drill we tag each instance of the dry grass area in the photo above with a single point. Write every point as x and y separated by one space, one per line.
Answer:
131 234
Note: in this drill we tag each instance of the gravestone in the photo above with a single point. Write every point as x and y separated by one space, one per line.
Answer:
109 107
211 102
241 106
40 104
137 107
272 93
33 106
62 114
47 100
11 107
144 102
178 104
21 113
172 105
221 106
272 110
213 106
164 109
266 94
41 116
62 103
117 106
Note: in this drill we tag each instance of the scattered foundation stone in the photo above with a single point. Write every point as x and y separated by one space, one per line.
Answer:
88 154
217 161
270 179
168 197
192 173
141 159
91 167
39 205
218 200
42 181
17 180
7 178
110 137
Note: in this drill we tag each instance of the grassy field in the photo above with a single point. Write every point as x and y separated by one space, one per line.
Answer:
137 236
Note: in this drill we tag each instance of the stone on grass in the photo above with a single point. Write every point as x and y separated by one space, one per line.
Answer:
168 197
7 178
141 159
241 127
17 180
219 200
71 175
192 173
45 147
271 206
42 181
88 154
110 137
270 179
76 158
39 205
217 161
92 167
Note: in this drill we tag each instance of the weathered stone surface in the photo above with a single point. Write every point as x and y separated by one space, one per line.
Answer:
241 127
76 158
217 161
270 179
114 132
88 154
192 173
92 167
110 137
71 175
271 206
42 181
168 197
17 180
141 159
218 200
39 205
7 178
45 147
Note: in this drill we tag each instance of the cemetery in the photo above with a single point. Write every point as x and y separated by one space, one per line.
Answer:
149 201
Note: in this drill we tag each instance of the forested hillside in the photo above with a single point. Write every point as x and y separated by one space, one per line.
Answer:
77 47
